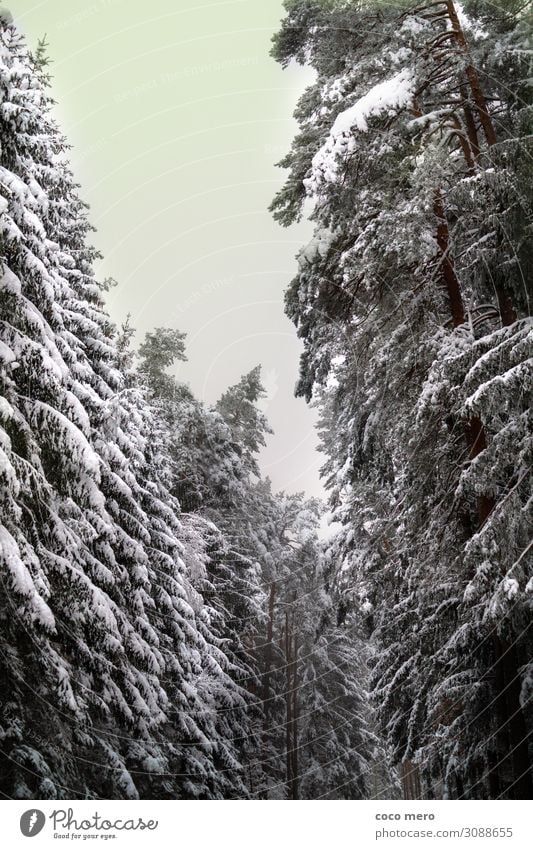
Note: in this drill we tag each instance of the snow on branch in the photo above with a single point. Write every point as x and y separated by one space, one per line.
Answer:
389 96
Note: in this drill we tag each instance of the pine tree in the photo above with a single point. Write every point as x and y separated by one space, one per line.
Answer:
411 305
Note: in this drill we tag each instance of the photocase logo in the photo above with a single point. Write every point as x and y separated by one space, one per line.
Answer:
32 822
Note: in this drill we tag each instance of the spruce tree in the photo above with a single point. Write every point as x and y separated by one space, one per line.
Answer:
114 671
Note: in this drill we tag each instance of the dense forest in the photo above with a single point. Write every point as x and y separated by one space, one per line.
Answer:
170 627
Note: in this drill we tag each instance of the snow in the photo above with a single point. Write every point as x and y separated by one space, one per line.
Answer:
467 23
10 282
318 246
413 25
90 529
389 96
339 360
21 579
155 765
393 94
510 588
7 356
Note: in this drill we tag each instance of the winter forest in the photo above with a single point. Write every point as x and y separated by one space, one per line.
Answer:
170 626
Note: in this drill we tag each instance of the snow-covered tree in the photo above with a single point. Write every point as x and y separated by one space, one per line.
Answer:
412 304
115 677
314 672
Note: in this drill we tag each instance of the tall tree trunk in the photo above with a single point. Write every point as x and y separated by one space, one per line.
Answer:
512 733
288 707
508 708
470 123
410 780
269 651
477 442
474 430
269 639
472 76
505 301
295 787
446 263
513 738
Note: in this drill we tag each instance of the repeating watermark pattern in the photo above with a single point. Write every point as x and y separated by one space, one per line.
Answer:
185 73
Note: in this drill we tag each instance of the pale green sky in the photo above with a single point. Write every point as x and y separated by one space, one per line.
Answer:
177 114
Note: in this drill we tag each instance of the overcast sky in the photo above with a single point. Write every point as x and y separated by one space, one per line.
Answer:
177 115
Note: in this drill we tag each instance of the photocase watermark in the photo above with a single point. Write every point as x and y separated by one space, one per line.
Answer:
32 822
11 716
89 11
65 819
66 825
206 289
185 73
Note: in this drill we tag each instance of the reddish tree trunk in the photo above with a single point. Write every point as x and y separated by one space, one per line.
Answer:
505 302
446 263
472 76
